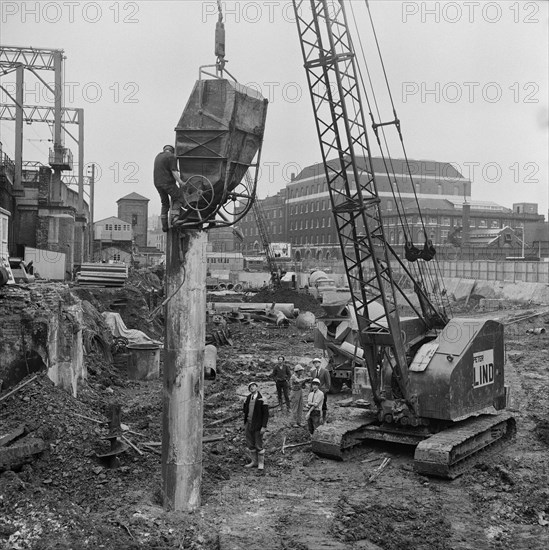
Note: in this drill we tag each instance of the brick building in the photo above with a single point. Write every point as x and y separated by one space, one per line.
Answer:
301 213
134 208
275 211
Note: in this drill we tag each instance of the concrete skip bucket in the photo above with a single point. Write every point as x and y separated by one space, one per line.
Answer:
217 138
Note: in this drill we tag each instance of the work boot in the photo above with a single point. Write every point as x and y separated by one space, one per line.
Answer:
253 458
164 221
280 406
261 456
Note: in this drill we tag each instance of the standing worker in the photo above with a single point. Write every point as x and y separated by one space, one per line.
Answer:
323 375
168 183
282 374
256 416
297 384
314 403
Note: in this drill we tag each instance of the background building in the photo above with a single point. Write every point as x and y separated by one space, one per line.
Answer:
113 240
301 214
133 208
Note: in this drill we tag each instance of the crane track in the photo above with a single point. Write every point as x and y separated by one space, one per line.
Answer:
446 454
449 453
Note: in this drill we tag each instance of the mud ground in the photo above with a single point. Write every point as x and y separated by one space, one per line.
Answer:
65 499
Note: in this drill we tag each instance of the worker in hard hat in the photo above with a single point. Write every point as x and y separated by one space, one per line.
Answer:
314 405
168 183
297 383
318 371
256 416
281 375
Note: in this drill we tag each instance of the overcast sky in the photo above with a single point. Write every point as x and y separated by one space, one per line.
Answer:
469 80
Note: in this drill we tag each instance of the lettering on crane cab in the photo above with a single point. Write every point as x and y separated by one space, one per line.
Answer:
483 368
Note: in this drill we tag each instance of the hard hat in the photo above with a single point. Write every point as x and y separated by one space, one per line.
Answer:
316 359
298 367
252 384
170 146
316 381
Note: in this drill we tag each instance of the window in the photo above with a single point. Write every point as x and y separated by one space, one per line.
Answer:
323 222
444 234
306 224
507 237
389 206
482 223
317 206
108 227
323 206
418 188
494 224
432 220
116 257
446 222
134 219
329 222
440 188
306 208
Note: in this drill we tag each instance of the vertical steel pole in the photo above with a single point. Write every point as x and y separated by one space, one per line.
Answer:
19 79
92 193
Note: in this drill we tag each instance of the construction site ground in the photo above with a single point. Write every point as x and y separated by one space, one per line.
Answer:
65 499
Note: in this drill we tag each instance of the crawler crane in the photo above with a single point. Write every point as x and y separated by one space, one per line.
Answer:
433 382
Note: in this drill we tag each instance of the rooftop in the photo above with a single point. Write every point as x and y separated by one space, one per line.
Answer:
134 197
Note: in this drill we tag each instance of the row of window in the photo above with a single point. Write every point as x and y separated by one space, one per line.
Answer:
117 227
313 239
446 222
304 224
254 231
321 188
217 260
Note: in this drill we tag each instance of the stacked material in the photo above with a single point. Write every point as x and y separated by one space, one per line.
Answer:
107 275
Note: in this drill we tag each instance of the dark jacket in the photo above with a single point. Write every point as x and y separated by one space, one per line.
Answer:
324 377
261 412
281 372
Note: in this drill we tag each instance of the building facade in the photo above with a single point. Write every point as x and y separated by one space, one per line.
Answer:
113 240
301 213
134 209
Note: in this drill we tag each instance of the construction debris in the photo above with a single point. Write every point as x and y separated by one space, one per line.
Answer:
103 275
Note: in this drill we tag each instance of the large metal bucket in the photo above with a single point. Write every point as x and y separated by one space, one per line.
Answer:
144 363
217 138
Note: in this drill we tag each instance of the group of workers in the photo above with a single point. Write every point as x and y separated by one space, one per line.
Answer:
290 386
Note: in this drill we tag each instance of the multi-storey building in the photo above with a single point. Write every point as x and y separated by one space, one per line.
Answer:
301 213
275 211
